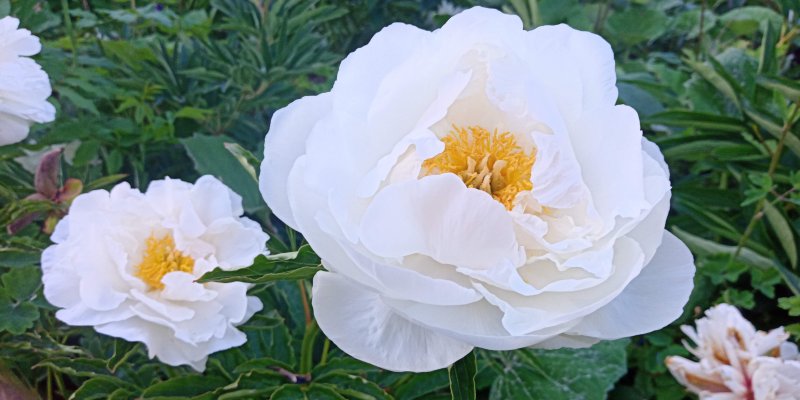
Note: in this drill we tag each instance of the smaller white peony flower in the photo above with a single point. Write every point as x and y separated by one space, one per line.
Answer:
735 360
24 86
125 262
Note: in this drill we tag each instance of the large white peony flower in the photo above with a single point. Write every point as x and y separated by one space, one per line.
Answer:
736 362
125 262
477 186
24 87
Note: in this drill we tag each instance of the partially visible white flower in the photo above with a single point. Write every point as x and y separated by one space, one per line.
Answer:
776 379
125 262
732 354
24 86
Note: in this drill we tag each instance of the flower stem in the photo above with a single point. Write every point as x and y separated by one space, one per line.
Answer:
71 31
307 348
773 165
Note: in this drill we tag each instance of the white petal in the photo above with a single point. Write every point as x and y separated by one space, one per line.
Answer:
362 325
651 301
440 217
284 143
236 244
478 324
12 129
615 181
577 67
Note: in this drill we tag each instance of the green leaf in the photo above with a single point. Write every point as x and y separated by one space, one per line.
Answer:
197 114
767 59
637 25
300 264
421 384
15 258
692 119
310 392
716 75
184 386
567 374
5 8
17 318
354 386
85 367
790 304
21 283
462 377
99 388
702 246
783 231
773 126
747 20
78 100
787 87
211 157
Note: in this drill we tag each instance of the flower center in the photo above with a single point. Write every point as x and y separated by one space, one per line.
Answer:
489 161
160 258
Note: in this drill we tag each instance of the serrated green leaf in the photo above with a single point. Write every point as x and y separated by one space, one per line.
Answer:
85 367
99 388
568 374
21 283
462 378
17 318
300 264
184 386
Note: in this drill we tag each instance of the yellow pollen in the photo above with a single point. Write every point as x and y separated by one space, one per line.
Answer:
489 161
160 258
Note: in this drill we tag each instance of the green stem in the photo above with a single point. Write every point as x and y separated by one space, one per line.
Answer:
773 165
325 348
307 348
73 40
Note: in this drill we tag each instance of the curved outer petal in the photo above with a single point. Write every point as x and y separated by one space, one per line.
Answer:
651 301
360 323
284 143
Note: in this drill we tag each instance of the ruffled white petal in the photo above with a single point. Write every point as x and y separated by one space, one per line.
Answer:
651 301
360 323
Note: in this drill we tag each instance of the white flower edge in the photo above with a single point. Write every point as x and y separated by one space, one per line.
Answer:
24 86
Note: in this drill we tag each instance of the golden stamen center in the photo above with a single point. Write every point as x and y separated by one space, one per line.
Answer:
489 161
160 258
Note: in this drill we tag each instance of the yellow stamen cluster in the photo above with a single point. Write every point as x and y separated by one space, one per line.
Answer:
160 258
488 161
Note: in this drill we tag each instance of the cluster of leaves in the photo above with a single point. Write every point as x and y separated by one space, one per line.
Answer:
180 88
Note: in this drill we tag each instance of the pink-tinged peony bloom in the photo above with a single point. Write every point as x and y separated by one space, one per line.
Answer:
125 263
477 186
736 362
24 87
